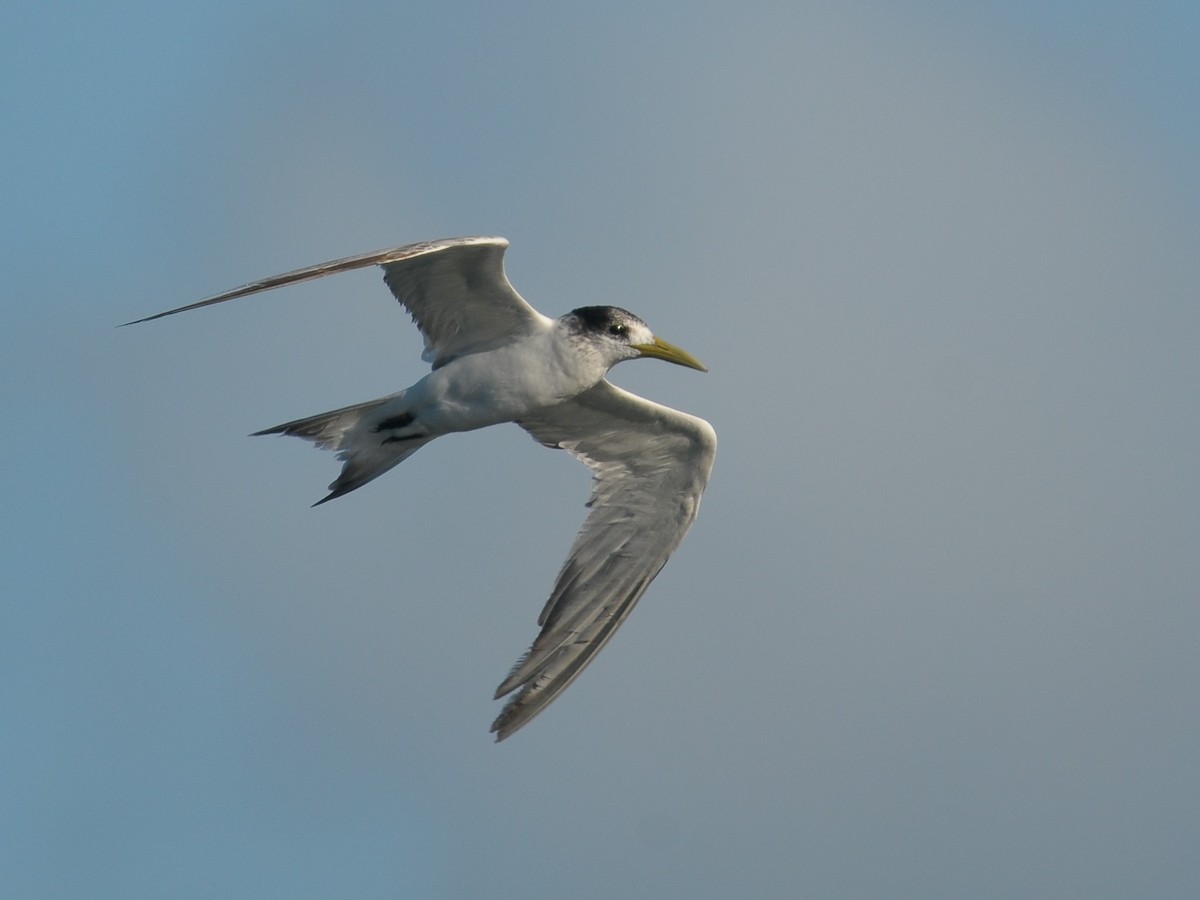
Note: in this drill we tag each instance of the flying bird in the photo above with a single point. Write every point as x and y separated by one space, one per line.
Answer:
497 359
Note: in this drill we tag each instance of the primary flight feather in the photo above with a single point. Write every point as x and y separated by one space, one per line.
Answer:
497 359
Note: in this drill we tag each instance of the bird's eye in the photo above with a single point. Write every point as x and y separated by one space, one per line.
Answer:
618 329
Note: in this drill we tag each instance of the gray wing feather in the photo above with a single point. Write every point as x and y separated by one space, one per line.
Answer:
455 289
459 296
650 465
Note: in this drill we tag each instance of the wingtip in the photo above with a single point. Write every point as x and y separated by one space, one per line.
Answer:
508 685
137 321
163 315
501 728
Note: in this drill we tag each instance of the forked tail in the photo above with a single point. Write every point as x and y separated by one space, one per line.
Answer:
363 436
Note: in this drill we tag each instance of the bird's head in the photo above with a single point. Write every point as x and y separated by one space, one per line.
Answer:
622 335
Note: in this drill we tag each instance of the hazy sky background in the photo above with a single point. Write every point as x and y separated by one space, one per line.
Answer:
934 633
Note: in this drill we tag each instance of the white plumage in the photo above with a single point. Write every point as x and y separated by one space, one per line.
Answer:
497 359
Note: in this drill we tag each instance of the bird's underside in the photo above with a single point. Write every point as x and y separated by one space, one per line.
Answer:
495 359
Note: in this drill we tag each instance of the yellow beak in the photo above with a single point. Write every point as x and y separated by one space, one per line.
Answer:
660 349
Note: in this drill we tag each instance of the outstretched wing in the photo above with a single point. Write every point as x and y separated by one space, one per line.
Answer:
459 296
455 289
650 464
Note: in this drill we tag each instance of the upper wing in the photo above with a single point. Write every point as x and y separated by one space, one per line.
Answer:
650 465
455 289
459 296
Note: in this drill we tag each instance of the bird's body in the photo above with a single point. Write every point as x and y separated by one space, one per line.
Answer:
496 359
499 385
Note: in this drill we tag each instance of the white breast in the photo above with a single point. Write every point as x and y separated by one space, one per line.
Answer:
505 384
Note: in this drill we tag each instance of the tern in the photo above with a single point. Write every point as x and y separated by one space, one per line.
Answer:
497 359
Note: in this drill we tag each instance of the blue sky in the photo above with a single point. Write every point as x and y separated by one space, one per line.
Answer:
933 634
